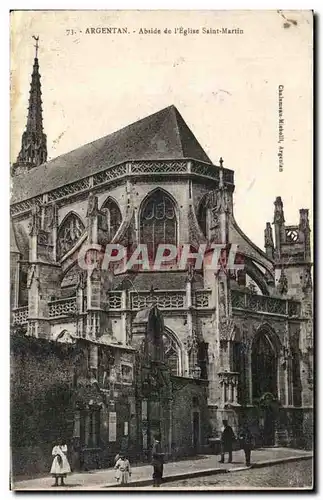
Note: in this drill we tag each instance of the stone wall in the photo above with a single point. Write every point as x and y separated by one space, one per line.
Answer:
41 384
189 397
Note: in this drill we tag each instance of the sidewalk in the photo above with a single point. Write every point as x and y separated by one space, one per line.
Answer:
141 475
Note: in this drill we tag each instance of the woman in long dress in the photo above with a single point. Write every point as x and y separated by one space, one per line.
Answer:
123 471
60 465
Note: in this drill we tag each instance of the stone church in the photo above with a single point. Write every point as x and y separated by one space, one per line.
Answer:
173 351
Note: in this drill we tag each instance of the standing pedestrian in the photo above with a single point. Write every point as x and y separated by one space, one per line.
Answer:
246 440
123 470
227 438
157 462
60 466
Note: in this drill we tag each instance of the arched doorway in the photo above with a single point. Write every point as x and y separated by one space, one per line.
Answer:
264 365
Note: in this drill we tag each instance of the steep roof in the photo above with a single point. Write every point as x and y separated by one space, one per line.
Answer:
163 135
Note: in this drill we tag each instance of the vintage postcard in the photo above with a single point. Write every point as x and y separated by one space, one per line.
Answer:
161 213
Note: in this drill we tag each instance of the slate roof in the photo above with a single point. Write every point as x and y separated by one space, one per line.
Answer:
163 135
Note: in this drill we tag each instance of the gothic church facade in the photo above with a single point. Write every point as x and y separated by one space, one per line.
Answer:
173 351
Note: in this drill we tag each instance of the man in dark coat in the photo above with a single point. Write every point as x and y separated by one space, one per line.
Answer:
227 438
157 462
245 438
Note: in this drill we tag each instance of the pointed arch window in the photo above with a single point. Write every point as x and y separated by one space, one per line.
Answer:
197 356
113 216
69 233
201 216
171 354
264 366
193 358
158 223
239 353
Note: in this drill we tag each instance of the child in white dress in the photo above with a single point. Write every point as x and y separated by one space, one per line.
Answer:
123 471
60 465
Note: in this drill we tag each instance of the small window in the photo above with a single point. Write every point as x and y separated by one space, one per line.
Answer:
195 401
126 374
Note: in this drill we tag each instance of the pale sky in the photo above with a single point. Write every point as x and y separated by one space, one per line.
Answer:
224 86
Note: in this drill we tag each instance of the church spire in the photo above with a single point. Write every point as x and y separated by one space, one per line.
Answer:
34 142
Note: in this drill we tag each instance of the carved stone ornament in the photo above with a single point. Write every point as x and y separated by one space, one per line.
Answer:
154 381
82 280
279 211
307 281
192 341
215 218
31 275
285 356
283 283
252 288
269 242
35 220
226 327
190 273
93 205
228 378
43 237
52 215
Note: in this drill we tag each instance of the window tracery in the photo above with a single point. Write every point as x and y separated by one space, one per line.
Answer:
158 223
69 233
113 217
171 354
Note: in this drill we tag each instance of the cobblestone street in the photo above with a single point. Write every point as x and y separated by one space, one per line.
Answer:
288 475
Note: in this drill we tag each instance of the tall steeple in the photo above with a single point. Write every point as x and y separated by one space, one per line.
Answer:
34 142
